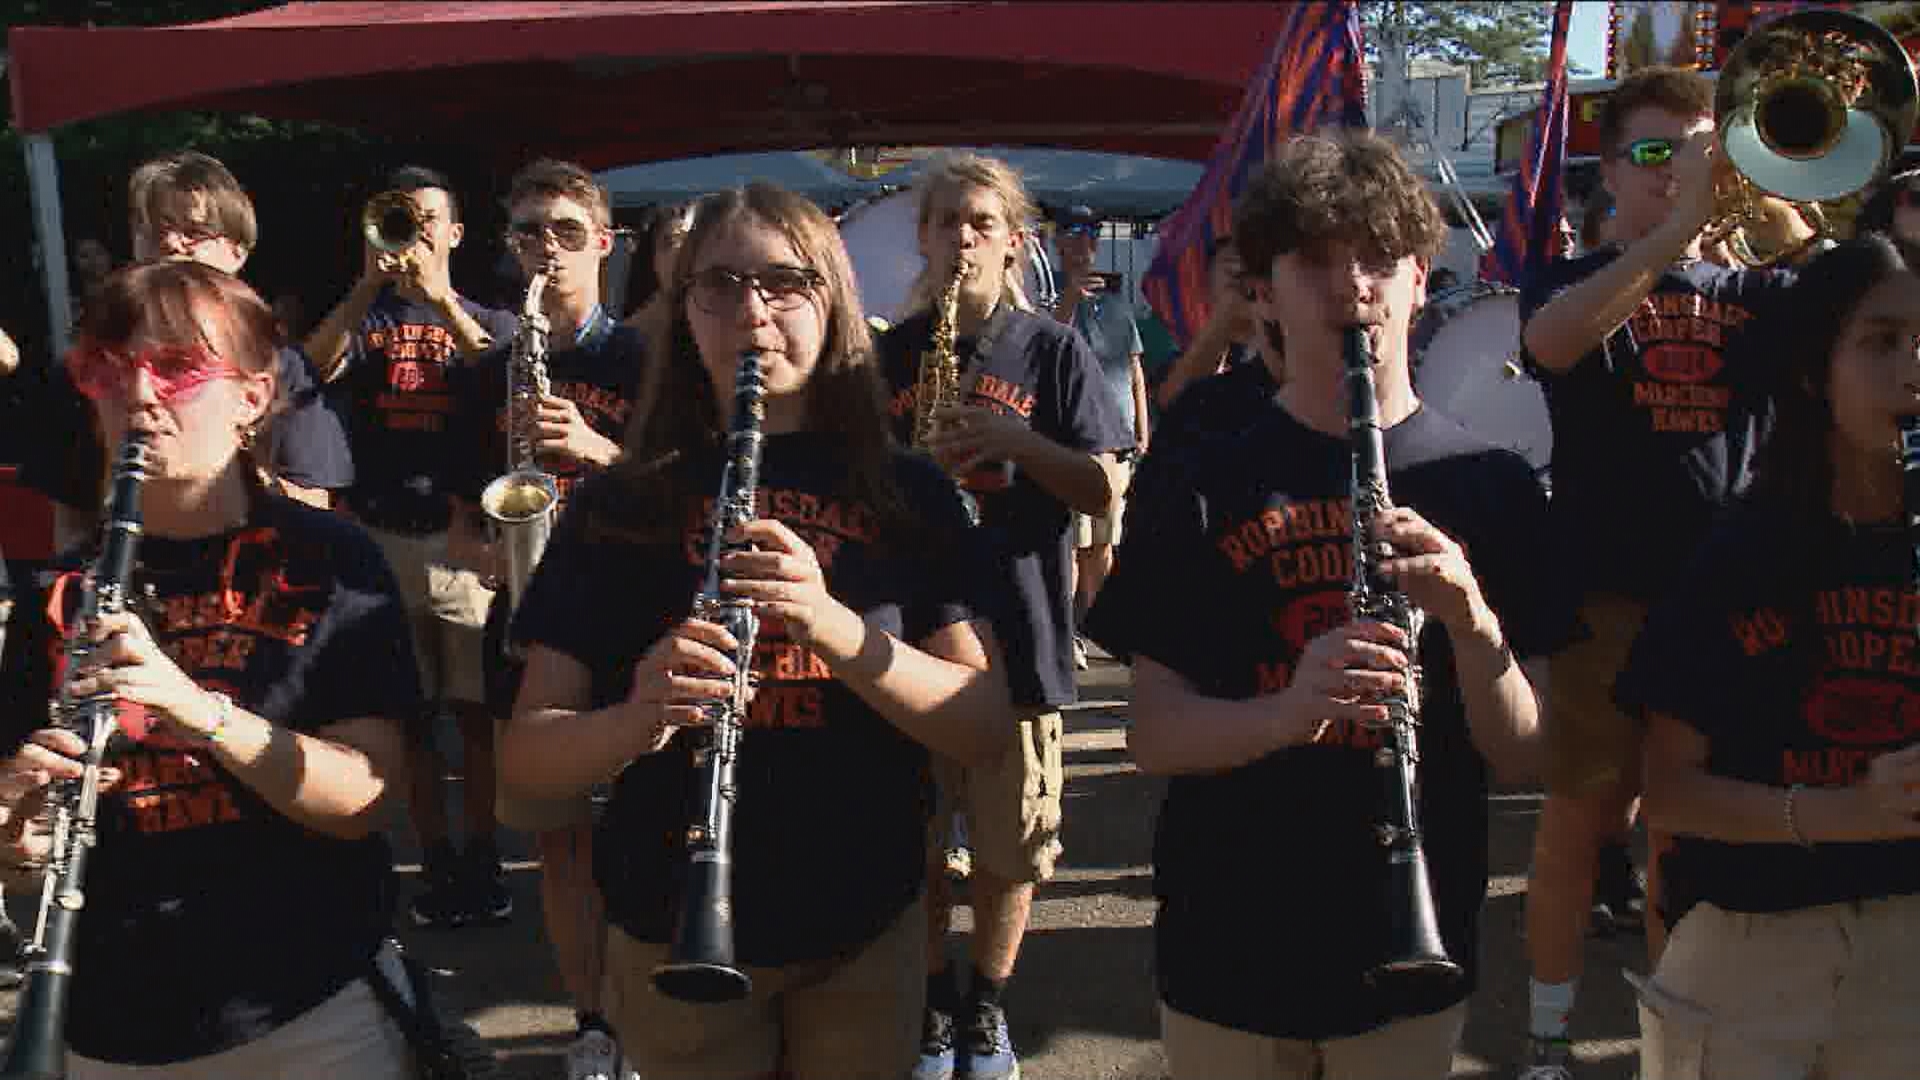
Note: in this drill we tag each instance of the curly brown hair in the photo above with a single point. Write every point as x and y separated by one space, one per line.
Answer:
1350 185
1681 91
553 179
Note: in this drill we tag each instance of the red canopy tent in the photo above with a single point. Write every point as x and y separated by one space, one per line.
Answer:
614 83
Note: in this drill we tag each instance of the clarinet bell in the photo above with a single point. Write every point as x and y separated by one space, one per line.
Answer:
699 968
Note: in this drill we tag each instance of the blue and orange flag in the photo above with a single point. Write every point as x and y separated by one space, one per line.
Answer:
1315 77
1533 230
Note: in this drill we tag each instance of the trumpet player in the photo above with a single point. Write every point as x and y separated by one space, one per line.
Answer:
1269 862
1036 437
1657 412
560 225
397 346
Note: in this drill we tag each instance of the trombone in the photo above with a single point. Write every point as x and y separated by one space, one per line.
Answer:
1811 108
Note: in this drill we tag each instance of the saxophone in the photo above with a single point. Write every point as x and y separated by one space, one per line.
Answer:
1416 958
699 967
521 502
38 1046
938 385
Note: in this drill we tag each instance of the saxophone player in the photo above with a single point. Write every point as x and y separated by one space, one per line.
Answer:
1272 877
560 225
1032 405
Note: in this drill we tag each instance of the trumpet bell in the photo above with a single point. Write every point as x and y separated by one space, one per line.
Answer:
519 497
1813 106
390 222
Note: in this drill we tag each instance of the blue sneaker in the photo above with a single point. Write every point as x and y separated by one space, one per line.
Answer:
936 1047
987 1046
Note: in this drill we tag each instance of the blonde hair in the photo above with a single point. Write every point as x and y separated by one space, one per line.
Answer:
958 172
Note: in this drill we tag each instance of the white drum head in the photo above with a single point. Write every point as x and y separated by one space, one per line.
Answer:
1466 356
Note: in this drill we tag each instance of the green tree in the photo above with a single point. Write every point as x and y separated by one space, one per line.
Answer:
1499 43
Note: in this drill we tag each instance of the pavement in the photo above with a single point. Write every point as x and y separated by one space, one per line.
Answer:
1081 1006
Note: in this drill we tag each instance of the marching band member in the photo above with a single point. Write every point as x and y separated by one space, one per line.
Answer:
561 223
394 344
1779 685
1034 411
868 657
1262 716
265 686
1656 415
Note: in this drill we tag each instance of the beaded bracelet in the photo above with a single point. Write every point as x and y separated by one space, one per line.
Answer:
1793 820
219 728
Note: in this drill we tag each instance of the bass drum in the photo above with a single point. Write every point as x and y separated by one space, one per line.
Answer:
1466 364
882 236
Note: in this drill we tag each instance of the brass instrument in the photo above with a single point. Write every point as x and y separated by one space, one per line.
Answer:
521 502
392 225
938 385
1810 108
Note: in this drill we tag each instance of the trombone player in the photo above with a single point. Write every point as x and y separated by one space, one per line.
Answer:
1658 398
397 347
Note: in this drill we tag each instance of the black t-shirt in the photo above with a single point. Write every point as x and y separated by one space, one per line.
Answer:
829 829
1792 648
1656 429
305 442
597 368
247 918
1237 554
402 368
1043 372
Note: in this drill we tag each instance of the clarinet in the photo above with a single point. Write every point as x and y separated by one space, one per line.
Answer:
699 967
1415 959
37 1049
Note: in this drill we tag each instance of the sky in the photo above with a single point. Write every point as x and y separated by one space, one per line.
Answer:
1587 38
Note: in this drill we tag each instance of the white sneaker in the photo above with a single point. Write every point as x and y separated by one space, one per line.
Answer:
595 1056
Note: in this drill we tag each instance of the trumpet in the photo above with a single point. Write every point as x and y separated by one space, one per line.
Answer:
392 225
1810 108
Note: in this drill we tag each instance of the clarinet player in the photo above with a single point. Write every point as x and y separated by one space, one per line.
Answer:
868 656
1267 725
264 688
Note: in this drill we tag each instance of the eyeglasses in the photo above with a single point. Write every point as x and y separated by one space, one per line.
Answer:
1083 228
174 371
1649 153
718 290
569 234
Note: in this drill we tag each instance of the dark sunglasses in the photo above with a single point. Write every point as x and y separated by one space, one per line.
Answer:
1084 228
1649 153
569 234
173 370
718 290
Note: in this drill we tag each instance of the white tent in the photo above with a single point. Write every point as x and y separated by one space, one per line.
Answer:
1113 185
635 186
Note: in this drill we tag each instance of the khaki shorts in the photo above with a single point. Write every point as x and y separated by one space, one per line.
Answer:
1421 1046
1592 746
536 815
1105 529
1825 991
446 612
1012 804
853 1018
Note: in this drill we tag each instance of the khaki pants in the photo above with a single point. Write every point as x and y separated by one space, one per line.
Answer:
852 1018
1831 992
348 1035
1012 803
1418 1048
1591 744
446 612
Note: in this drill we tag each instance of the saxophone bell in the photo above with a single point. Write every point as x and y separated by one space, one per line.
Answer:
521 502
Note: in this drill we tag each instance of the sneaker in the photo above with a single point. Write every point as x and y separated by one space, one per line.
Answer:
595 1056
489 901
936 1047
959 863
1619 894
1079 653
1547 1059
443 904
988 1047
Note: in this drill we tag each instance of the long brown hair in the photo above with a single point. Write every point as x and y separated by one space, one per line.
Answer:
961 172
678 412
